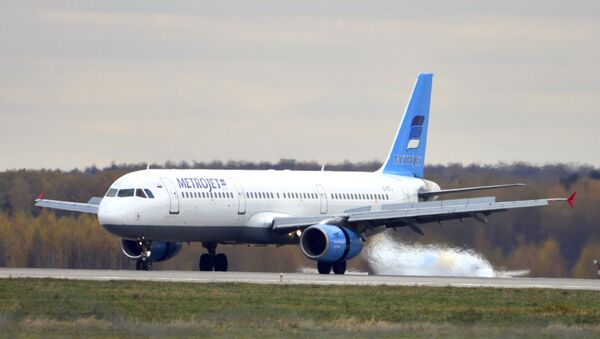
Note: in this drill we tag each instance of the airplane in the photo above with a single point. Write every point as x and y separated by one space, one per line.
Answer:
328 214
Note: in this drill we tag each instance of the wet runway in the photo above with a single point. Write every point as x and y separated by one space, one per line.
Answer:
298 278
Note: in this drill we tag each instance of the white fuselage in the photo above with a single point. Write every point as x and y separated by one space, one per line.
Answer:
238 206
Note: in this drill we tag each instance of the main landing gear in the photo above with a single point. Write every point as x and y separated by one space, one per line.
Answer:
338 267
212 261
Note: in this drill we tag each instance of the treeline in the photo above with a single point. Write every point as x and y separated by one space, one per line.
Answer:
549 241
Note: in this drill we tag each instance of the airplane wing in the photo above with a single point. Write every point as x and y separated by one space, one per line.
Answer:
412 214
90 207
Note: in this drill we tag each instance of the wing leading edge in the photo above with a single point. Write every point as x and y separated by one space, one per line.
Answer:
411 214
90 207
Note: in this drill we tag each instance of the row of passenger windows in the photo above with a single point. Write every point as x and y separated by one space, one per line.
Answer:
205 195
287 195
130 192
359 196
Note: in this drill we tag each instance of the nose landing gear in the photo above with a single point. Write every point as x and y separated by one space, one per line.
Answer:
212 261
144 263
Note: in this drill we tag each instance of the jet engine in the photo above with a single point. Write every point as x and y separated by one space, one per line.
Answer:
330 243
159 251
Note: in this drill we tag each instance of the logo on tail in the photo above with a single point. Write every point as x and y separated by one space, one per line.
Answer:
408 151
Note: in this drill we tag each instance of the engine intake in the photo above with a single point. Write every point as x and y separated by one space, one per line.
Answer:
159 250
330 243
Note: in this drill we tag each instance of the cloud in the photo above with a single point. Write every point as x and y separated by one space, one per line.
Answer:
323 82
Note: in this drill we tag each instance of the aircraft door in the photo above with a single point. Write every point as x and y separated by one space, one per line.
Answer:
241 195
323 198
173 195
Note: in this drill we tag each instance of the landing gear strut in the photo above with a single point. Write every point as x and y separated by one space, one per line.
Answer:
338 267
211 260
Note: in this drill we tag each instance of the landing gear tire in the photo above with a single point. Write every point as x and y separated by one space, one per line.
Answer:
143 265
339 267
206 262
323 267
220 262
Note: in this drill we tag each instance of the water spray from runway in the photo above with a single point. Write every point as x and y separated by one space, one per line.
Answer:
387 256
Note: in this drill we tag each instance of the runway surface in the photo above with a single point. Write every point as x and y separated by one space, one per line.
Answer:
298 278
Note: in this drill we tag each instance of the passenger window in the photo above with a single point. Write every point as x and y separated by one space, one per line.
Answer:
149 193
112 192
140 193
125 193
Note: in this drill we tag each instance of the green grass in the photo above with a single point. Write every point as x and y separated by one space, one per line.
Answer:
33 307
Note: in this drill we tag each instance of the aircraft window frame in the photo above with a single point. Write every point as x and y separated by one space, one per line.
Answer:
140 193
111 193
149 193
127 193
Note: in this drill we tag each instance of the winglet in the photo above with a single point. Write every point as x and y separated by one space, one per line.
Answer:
40 196
571 199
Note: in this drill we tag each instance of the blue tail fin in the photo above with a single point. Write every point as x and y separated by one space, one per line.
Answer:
407 155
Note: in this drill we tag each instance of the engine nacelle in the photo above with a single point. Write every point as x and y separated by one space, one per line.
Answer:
159 251
330 243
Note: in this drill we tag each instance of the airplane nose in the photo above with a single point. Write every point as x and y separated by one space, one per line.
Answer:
111 212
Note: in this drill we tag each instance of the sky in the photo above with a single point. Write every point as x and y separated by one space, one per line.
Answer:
93 82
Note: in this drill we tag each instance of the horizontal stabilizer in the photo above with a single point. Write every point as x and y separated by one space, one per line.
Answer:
425 195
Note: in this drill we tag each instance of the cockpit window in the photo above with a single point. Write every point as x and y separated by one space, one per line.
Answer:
112 192
149 193
140 193
126 193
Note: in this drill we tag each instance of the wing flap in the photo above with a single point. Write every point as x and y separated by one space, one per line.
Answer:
455 208
426 195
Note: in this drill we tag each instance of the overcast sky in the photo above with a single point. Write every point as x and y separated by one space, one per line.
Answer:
90 82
